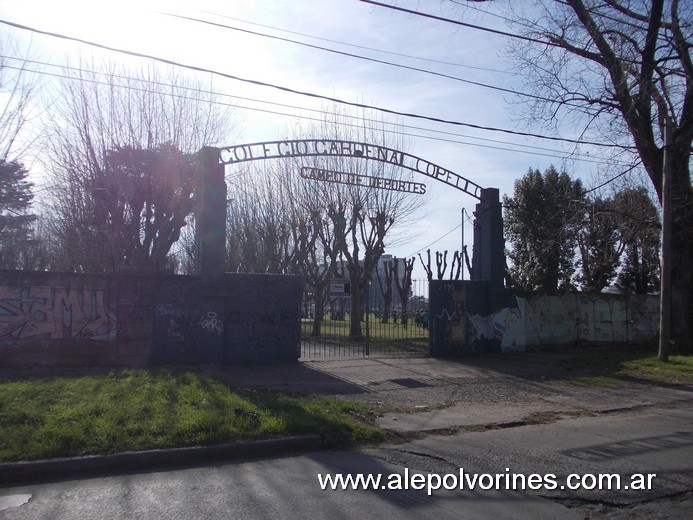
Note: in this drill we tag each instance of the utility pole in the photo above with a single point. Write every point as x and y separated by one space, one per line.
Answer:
665 288
462 246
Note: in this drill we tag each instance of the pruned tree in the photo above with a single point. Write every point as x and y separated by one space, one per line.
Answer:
285 230
362 217
403 284
385 289
119 166
427 265
441 263
456 267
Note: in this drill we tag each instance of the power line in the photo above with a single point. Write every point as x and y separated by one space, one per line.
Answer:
609 181
548 43
305 93
461 24
382 51
530 149
365 58
437 240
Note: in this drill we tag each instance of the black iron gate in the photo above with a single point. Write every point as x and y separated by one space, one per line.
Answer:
386 330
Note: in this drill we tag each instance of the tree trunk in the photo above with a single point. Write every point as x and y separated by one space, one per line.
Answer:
319 297
681 252
355 330
681 293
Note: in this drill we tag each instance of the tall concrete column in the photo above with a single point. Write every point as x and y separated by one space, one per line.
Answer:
488 261
210 218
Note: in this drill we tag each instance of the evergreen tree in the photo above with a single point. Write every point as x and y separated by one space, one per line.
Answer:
601 244
15 223
541 224
642 236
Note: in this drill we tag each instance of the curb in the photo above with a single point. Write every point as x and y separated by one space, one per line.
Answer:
14 473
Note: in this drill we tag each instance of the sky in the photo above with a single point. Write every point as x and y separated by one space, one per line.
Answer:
489 158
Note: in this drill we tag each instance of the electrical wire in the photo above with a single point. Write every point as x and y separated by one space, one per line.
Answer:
365 58
355 46
531 150
437 240
461 24
305 93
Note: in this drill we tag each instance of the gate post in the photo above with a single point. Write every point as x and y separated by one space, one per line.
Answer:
488 260
210 218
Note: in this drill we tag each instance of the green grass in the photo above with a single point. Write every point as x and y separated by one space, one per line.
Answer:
384 335
630 362
139 409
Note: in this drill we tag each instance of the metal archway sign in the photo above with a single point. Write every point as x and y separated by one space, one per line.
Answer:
337 148
210 237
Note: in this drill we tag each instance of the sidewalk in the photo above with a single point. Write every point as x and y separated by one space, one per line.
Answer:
434 395
430 396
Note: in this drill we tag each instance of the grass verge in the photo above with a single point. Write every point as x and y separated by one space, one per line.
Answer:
140 409
630 362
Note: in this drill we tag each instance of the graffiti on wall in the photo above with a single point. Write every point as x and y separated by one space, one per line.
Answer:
506 326
568 318
602 320
181 318
55 312
211 323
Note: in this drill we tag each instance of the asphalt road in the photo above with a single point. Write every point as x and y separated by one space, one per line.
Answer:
646 441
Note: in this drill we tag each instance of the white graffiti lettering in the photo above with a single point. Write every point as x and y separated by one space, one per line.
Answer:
211 323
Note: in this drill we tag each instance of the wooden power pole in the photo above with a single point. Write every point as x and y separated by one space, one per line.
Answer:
665 288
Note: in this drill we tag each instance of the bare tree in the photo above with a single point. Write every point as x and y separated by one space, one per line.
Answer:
18 85
386 290
403 285
281 222
362 217
100 110
20 247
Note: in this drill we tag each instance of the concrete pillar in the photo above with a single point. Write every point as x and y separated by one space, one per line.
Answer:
488 260
210 218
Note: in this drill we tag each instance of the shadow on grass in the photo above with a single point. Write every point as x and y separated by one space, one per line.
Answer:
600 364
133 410
339 423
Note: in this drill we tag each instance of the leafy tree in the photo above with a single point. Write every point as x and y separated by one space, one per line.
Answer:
600 245
542 220
642 237
620 70
142 201
15 223
385 289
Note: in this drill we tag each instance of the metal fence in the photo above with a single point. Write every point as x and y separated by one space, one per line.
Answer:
383 332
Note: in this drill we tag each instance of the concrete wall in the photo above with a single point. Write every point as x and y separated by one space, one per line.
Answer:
51 319
569 319
466 320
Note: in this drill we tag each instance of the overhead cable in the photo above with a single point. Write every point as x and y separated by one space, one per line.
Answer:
305 93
